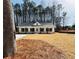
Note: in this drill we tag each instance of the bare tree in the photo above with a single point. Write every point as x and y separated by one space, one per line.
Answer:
8 30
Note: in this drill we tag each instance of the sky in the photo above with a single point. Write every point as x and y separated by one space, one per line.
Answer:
69 7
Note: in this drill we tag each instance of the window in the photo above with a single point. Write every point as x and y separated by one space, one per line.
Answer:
26 29
47 29
32 29
22 29
41 29
50 29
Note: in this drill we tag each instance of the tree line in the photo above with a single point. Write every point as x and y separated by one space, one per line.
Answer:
29 12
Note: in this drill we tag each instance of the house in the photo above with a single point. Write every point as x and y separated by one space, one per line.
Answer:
35 28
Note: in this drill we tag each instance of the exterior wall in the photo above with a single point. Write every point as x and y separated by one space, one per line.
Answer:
36 29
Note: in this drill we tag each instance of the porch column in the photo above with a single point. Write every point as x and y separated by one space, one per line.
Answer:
38 30
19 30
28 29
53 29
35 30
44 30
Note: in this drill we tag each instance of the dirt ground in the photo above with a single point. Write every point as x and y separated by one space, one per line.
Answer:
37 49
46 46
63 41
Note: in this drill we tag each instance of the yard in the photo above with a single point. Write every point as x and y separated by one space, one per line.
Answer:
62 41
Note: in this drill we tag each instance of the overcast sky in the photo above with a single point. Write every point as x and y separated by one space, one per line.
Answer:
68 5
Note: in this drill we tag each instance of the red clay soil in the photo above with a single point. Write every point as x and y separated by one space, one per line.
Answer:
36 49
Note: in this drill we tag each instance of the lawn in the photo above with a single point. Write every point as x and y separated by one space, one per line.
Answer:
63 41
46 46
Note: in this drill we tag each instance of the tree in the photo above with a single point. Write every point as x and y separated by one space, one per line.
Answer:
48 13
17 12
30 5
73 27
59 8
58 19
40 8
44 13
53 14
26 1
8 30
64 15
25 11
35 12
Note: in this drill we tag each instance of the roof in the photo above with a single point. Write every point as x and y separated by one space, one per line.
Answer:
36 24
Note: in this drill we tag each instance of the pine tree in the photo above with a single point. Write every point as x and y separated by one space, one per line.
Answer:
8 30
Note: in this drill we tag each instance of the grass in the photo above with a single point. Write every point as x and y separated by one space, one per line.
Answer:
63 41
46 46
37 49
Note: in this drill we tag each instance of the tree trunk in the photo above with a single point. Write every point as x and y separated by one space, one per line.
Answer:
17 20
8 30
29 16
63 23
44 17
